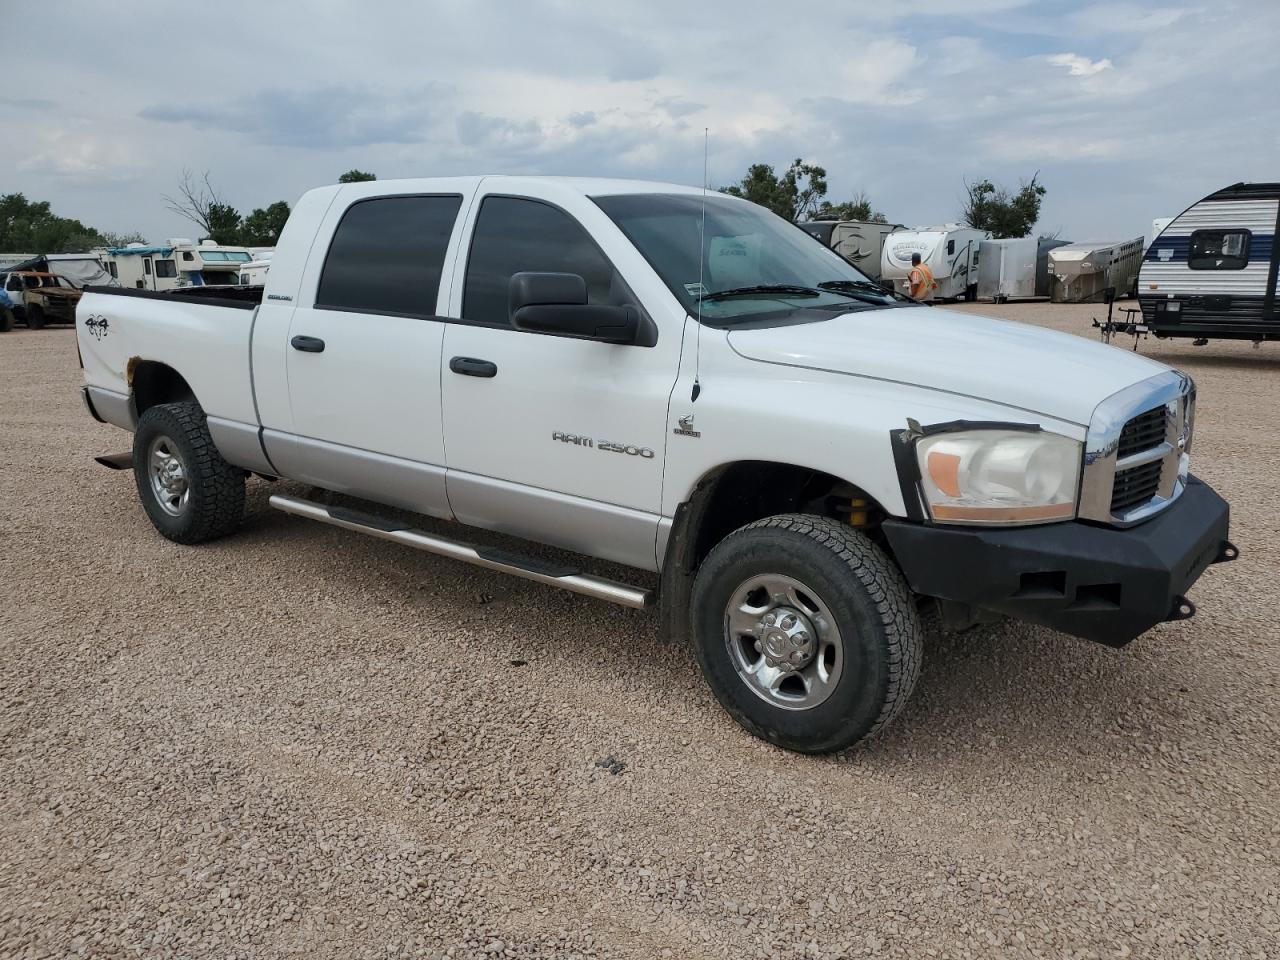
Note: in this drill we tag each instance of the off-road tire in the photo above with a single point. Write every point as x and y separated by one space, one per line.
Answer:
6 319
35 318
876 615
215 504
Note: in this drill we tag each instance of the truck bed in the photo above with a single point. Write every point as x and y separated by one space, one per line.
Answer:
244 298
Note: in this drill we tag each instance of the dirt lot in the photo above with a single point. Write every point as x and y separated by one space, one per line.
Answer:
299 742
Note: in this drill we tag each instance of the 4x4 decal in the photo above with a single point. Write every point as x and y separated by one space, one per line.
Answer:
97 326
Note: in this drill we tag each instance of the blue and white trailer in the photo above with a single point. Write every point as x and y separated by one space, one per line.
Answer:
1212 272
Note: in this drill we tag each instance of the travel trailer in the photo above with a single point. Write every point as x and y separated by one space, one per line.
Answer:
1085 271
179 263
949 250
1213 271
861 242
1014 269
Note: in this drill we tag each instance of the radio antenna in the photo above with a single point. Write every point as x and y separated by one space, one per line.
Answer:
702 259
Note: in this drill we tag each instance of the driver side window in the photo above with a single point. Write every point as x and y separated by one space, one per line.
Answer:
513 235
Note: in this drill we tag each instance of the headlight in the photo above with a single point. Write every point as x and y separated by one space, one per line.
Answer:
999 476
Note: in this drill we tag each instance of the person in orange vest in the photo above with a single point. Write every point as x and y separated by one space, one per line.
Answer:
921 279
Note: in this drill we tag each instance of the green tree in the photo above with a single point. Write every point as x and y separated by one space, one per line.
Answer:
33 227
799 194
262 227
356 176
1005 213
859 208
225 224
122 239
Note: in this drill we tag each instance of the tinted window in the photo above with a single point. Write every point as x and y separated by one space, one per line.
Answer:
1219 250
113 270
387 255
514 235
146 267
166 268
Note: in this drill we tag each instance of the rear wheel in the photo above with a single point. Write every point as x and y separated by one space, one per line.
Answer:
189 492
35 317
6 319
806 632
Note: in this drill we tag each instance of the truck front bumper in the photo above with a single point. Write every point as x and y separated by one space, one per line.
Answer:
1100 583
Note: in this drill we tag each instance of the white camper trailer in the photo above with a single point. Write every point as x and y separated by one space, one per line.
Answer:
1213 271
1085 271
861 242
1157 228
179 263
1016 268
254 273
949 250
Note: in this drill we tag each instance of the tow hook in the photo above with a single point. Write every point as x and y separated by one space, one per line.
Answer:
1182 609
1227 551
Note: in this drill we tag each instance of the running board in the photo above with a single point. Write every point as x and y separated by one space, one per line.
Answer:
553 575
116 461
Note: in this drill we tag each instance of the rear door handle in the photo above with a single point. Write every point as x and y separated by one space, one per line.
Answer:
471 367
307 344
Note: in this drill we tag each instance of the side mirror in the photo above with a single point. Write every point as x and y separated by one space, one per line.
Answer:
556 304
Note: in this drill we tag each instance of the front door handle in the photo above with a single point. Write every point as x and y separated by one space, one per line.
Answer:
307 344
471 367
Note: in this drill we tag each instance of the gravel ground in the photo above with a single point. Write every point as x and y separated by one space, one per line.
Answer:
300 742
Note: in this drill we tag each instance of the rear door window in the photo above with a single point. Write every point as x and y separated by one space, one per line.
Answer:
513 235
387 255
1219 250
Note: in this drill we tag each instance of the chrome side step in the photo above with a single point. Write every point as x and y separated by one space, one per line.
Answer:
553 575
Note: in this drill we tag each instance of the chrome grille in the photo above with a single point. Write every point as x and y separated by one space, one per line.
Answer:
1143 432
1135 463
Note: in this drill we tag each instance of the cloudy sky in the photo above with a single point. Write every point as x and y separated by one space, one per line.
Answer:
1129 109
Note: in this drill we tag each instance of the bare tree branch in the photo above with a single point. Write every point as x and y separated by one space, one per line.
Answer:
195 200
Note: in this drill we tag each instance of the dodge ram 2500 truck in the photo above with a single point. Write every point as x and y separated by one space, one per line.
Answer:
678 383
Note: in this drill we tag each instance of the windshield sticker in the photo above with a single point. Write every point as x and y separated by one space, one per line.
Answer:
696 289
734 261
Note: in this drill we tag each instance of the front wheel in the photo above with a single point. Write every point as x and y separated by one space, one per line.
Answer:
806 632
35 318
188 491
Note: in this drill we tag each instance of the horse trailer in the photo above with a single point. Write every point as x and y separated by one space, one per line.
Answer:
1086 271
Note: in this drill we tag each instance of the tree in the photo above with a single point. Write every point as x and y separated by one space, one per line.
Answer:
33 227
262 227
122 239
356 176
799 194
1005 213
859 208
200 203
224 224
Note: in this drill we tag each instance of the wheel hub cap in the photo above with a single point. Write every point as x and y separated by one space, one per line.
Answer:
787 639
783 641
168 476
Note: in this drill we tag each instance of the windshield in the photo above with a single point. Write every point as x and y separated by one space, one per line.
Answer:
747 250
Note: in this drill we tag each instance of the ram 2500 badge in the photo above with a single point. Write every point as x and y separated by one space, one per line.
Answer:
682 384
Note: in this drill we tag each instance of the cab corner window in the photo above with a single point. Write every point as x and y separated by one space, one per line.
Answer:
513 235
387 255
1219 250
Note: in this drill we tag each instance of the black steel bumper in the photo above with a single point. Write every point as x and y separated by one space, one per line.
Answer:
1099 583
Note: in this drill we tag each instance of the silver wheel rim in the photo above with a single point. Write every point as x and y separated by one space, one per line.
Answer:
168 476
783 641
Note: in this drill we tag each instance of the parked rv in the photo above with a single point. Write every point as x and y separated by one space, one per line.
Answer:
949 250
1085 271
1015 269
1157 228
254 273
861 242
1213 271
178 263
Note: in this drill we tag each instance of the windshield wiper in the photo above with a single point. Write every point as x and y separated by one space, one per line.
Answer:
850 286
786 289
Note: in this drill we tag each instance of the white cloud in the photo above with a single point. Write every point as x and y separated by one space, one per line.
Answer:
1079 66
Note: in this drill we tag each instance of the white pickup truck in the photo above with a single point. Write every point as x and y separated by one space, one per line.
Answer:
679 383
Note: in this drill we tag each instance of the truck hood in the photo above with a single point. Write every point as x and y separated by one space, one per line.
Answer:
1041 371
